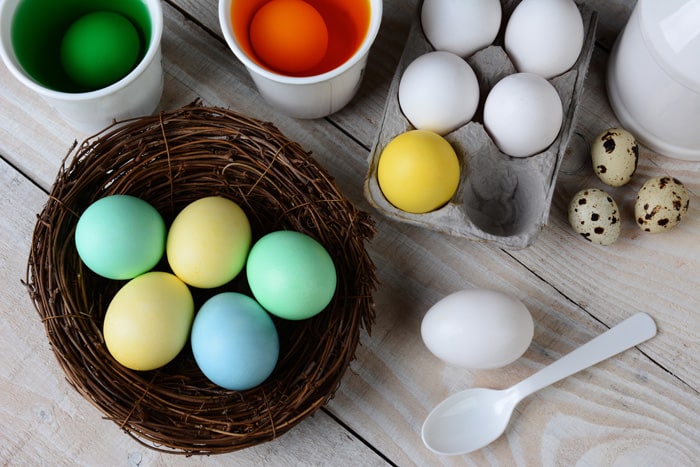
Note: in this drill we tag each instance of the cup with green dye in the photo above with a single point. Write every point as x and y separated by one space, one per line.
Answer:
93 61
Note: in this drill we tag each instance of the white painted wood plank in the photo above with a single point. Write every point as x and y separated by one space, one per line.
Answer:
395 381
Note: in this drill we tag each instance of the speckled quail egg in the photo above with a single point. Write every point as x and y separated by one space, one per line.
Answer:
615 154
594 215
661 204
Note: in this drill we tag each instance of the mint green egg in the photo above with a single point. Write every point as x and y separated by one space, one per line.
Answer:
120 237
99 49
291 274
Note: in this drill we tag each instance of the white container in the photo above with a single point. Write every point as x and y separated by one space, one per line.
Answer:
136 94
306 97
653 77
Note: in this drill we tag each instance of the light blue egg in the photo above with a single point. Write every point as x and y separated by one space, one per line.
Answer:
234 341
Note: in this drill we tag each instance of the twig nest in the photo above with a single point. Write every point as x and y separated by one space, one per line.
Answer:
170 160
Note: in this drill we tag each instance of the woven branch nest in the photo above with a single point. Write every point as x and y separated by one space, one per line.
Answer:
170 160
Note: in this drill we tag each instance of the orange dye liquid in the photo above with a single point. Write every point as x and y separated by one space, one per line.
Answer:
347 22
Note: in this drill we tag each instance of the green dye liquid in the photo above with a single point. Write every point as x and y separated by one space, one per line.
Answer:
39 26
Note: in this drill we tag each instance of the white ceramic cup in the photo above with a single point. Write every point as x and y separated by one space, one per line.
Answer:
653 76
306 97
136 94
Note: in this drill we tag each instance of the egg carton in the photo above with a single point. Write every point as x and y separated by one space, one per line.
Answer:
500 199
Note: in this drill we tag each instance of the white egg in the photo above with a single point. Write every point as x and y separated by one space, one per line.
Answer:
461 27
478 328
438 92
544 36
523 114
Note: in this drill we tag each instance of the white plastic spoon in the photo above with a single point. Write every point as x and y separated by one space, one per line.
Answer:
472 419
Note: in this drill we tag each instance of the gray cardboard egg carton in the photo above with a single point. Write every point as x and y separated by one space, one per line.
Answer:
500 199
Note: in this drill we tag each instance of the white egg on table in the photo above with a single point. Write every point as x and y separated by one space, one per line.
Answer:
461 27
438 92
478 329
544 36
523 114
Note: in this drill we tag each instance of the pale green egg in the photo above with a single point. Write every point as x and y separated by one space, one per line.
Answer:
120 236
291 274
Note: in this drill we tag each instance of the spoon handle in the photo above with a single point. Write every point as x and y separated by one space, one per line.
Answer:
632 331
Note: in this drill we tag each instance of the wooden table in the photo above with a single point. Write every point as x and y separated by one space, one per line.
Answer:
640 408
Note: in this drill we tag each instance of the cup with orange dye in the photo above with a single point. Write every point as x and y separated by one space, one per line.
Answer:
306 57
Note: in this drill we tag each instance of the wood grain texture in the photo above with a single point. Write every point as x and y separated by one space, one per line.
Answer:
640 408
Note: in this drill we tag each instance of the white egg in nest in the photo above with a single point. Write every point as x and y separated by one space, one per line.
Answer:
523 113
459 26
438 92
478 329
544 36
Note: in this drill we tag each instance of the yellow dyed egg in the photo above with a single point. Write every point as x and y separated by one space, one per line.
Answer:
418 171
148 321
208 242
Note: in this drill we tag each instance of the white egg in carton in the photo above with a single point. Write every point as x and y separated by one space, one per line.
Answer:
501 199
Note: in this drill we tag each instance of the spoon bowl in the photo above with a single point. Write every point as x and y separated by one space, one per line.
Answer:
447 429
472 419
